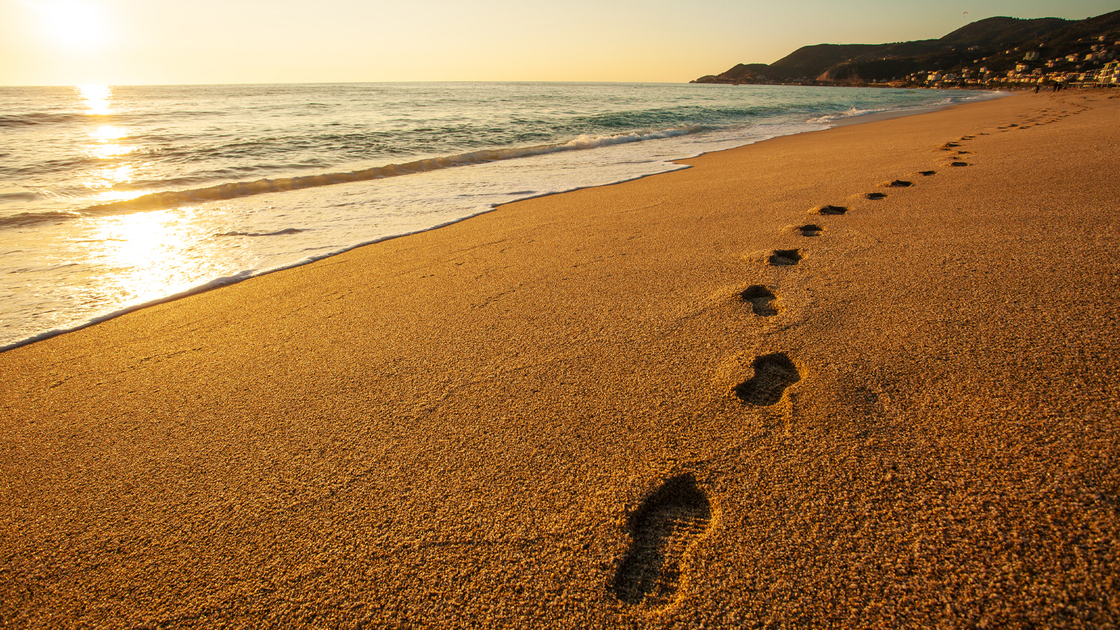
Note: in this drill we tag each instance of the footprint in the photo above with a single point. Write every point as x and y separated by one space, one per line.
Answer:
927 173
762 300
948 145
785 257
663 530
876 195
810 229
900 183
958 164
773 373
830 210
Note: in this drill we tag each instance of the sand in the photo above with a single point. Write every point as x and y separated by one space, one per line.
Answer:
654 404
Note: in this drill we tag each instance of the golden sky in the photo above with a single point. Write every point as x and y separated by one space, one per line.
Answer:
69 42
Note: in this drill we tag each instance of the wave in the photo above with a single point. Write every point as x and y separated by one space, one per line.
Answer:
26 219
276 233
38 118
8 121
19 196
849 113
243 189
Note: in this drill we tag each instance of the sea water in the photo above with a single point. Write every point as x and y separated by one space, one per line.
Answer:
116 197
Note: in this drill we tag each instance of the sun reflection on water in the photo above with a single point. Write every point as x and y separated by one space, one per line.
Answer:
97 101
96 98
106 148
144 255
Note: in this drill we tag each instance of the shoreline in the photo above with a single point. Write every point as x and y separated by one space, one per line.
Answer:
745 393
220 282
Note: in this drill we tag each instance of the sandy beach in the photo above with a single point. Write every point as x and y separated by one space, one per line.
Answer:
865 377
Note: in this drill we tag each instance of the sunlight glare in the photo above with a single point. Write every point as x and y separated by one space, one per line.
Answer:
146 249
74 25
96 98
105 149
105 133
111 176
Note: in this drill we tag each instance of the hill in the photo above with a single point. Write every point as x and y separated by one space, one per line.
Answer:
998 43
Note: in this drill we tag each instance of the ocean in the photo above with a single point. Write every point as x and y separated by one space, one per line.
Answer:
112 198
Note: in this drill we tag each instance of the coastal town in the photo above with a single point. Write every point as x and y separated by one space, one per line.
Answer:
1099 67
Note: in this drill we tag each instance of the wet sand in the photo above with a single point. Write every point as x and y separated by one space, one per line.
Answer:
744 394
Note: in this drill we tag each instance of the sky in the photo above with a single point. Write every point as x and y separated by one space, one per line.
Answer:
132 42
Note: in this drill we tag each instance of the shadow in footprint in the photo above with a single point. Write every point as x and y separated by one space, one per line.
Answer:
811 229
876 195
762 300
785 257
662 531
927 173
773 373
831 210
900 183
958 164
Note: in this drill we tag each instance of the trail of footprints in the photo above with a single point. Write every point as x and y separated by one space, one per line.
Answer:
678 514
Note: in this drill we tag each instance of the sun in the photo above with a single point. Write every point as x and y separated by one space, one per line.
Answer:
74 25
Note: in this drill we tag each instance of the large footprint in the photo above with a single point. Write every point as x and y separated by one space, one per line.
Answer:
668 523
761 299
773 373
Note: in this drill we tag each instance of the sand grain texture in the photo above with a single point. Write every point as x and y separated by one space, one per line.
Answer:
461 428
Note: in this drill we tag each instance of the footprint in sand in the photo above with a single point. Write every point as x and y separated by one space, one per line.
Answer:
810 229
876 195
899 183
927 173
762 300
665 528
827 209
958 164
773 373
784 257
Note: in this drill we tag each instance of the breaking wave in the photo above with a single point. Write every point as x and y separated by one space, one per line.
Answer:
260 186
